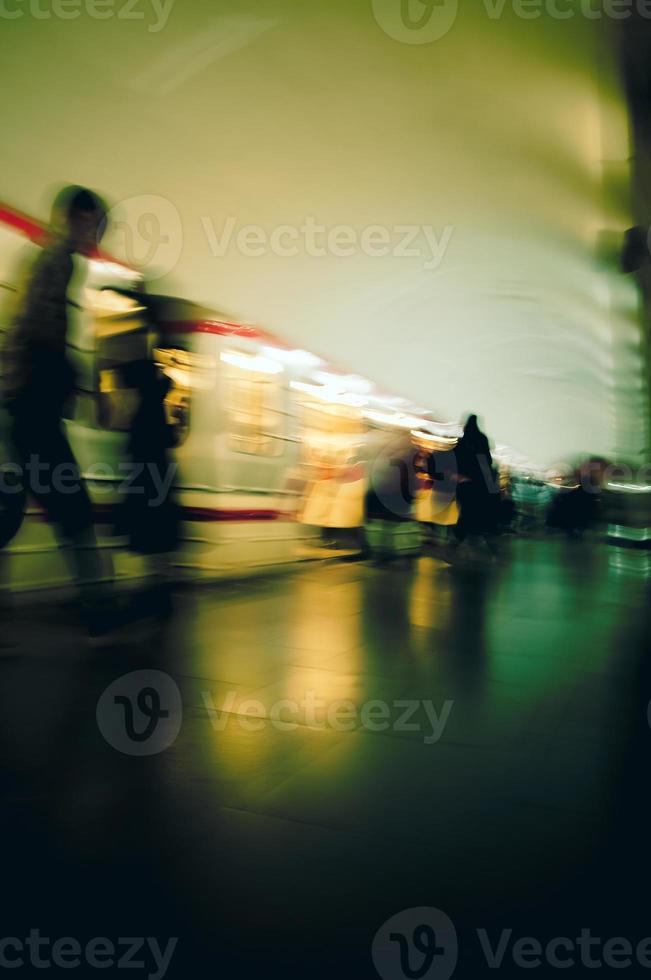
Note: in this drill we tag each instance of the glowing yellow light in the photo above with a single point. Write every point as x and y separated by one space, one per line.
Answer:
433 440
395 419
104 268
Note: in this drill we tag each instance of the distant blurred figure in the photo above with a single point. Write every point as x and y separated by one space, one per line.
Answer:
392 487
532 498
148 514
507 509
38 381
477 493
635 249
391 530
444 510
574 509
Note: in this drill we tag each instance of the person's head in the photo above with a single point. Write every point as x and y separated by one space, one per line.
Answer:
79 216
472 425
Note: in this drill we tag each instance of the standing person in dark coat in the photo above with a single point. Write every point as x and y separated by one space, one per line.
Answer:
149 513
475 479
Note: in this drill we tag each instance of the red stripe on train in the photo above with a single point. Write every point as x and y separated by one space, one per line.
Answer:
222 328
39 233
22 223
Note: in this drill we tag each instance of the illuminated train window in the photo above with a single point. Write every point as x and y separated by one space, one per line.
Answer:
332 433
331 420
254 404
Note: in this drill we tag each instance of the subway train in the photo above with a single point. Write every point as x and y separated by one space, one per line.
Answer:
273 445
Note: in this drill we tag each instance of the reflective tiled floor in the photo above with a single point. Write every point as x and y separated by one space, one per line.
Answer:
355 740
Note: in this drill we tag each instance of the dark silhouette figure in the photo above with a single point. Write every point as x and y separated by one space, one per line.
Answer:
572 511
38 382
477 494
148 514
575 508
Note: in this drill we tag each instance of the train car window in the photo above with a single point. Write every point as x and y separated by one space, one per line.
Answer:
254 404
332 434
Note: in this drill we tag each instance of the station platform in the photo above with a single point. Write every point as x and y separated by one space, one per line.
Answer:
340 743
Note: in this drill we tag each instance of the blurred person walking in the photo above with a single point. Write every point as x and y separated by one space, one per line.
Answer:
391 530
38 382
149 515
575 507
